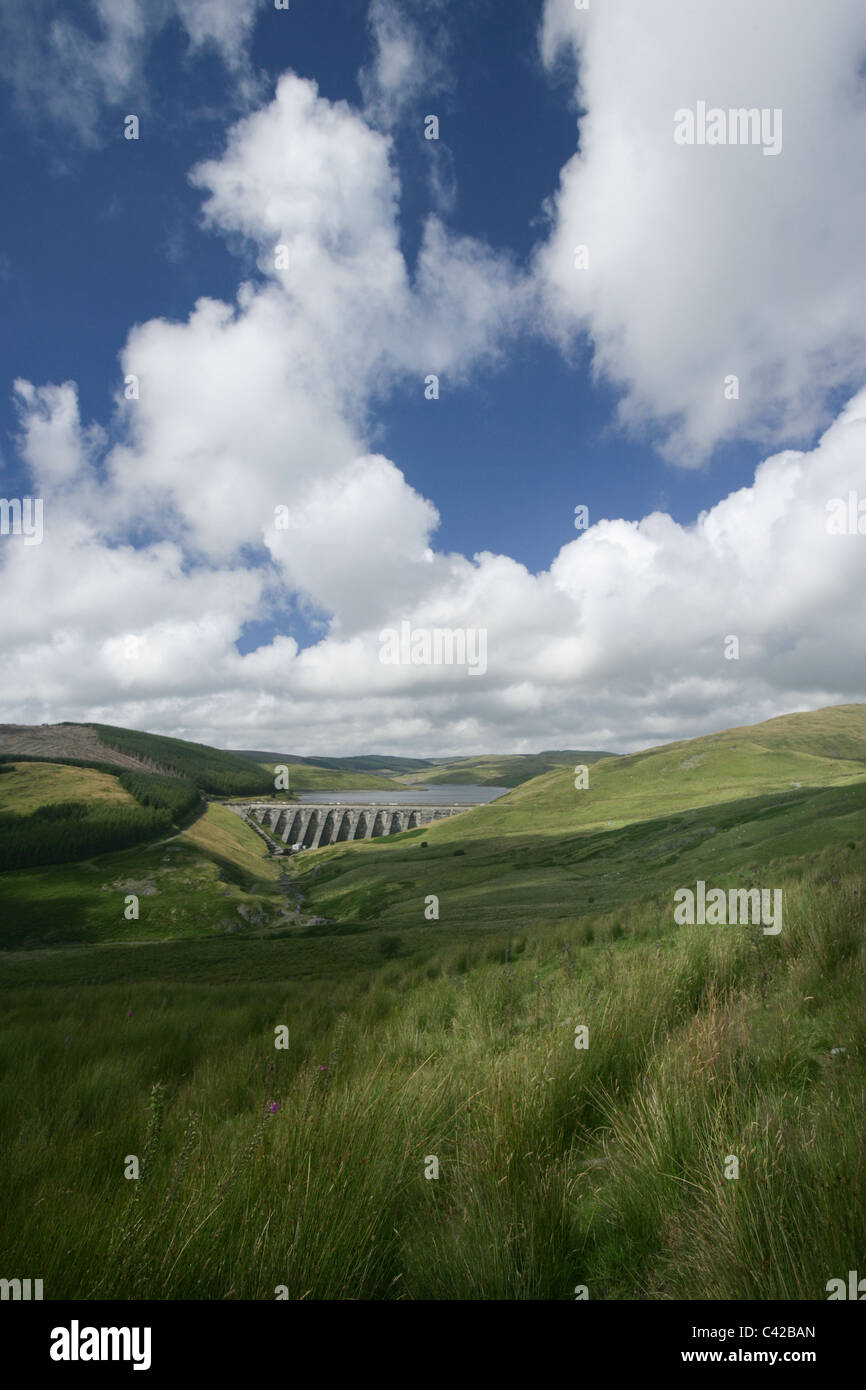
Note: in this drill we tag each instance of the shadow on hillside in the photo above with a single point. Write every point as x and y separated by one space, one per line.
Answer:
574 873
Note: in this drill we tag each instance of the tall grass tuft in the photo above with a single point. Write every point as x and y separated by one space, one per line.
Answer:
309 1170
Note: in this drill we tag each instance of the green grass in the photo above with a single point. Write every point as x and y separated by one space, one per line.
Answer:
193 884
722 808
412 1039
557 1167
223 835
26 786
726 806
530 879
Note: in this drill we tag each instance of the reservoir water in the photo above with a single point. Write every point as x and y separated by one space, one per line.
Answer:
449 794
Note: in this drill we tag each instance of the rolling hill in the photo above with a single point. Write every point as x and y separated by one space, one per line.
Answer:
547 850
69 792
375 764
499 770
304 1170
725 803
211 770
382 770
305 776
26 787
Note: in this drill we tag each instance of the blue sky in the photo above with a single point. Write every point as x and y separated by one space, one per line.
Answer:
549 396
97 239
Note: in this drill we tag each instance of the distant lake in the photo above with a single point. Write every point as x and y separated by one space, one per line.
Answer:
456 794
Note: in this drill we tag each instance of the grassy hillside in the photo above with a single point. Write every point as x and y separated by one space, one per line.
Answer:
25 786
309 1169
380 771
210 769
372 764
383 764
506 770
225 837
730 807
304 1169
306 777
67 813
767 758
102 745
212 878
836 732
725 803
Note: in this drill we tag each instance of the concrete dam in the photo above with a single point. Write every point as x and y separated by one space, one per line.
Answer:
314 826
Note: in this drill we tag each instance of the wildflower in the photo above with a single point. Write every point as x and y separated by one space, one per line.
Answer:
273 1107
323 1068
129 1013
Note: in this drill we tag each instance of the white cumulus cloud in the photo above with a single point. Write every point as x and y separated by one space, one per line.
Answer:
161 540
706 262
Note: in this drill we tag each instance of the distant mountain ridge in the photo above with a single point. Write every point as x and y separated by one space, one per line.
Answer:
377 763
482 770
249 772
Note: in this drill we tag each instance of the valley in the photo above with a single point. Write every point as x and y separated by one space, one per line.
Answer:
455 1033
